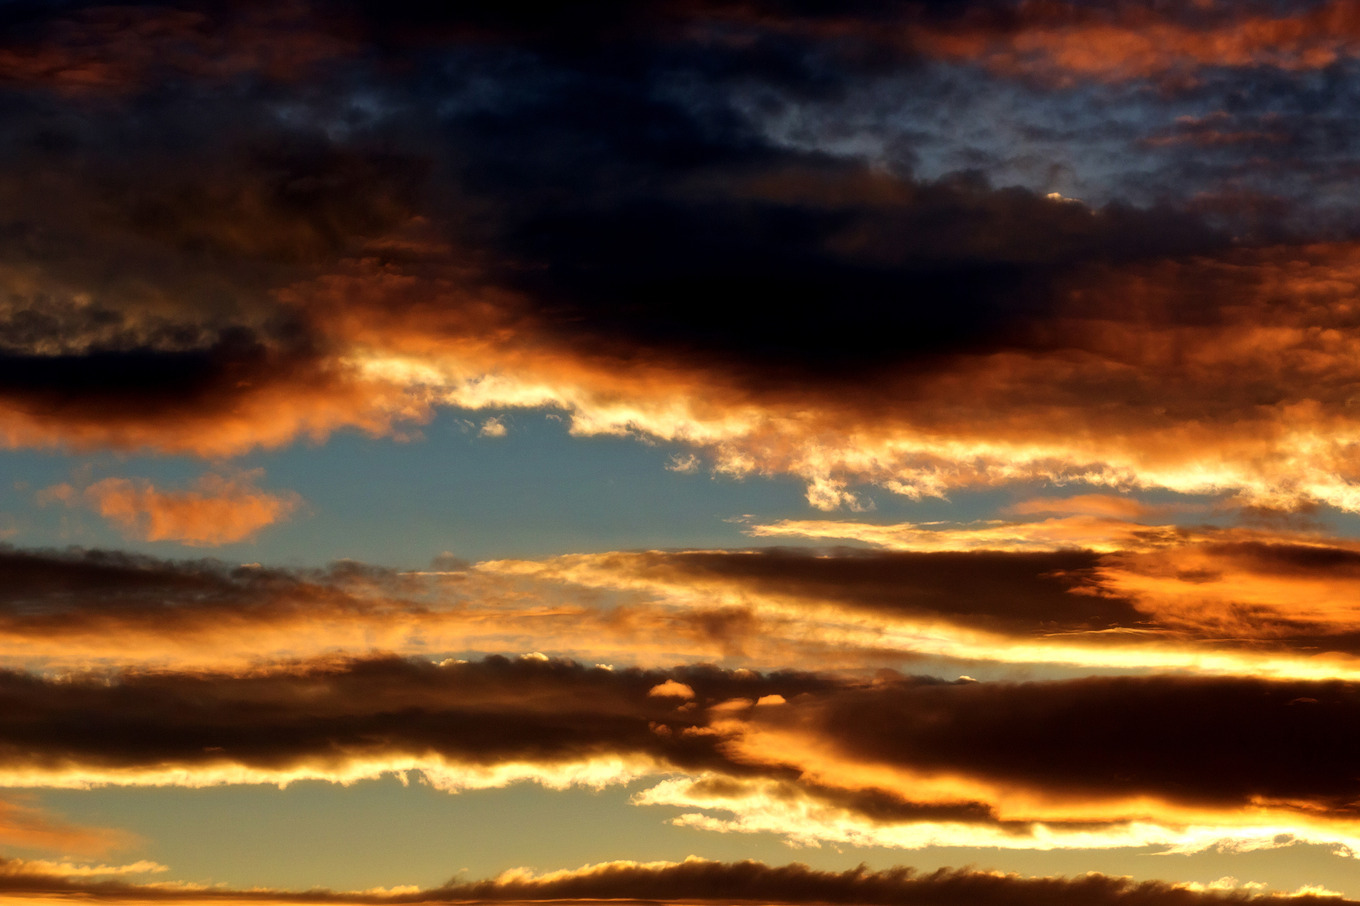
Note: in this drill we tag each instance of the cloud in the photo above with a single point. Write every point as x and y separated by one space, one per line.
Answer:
73 609
671 689
107 50
493 427
12 867
24 825
891 761
220 509
705 881
1225 601
1294 590
478 724
1062 43
691 881
1218 601
1106 505
253 278
1079 532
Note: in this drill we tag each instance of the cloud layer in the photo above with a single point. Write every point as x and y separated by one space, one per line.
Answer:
893 761
691 881
341 267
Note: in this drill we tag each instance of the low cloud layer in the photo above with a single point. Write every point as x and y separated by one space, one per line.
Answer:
894 761
691 881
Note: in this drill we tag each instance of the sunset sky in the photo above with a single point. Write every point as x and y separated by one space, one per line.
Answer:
680 450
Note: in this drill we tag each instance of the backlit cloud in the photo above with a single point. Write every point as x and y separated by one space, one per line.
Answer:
895 761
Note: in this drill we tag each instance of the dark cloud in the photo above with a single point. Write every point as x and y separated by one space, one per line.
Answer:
1222 743
622 195
1012 593
483 713
700 881
48 592
109 385
703 881
1177 739
924 270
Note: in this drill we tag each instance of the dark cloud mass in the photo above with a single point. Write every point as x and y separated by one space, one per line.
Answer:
486 712
628 213
1179 739
1013 593
695 881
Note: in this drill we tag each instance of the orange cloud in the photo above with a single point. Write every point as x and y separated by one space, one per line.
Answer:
33 828
1153 407
1136 385
893 761
1075 592
1086 532
1100 505
1064 43
218 510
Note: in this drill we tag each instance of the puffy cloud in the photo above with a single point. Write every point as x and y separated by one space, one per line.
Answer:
220 509
671 689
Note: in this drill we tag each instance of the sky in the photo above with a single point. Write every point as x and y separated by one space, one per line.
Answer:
687 451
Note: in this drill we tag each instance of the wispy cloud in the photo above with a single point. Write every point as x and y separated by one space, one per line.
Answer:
218 509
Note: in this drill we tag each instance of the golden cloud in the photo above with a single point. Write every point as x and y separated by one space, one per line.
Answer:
219 509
